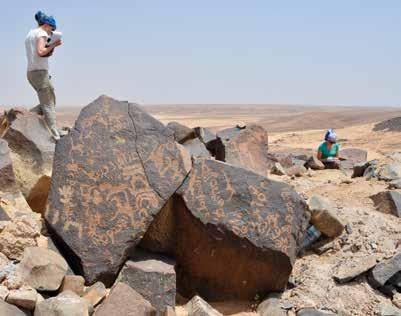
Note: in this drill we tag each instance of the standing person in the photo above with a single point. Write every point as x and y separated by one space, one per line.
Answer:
38 53
329 151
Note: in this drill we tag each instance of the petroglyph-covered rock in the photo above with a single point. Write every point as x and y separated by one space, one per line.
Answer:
112 174
7 176
352 156
244 147
236 232
182 133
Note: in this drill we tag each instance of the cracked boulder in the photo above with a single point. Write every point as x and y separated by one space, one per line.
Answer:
112 175
32 148
244 147
236 234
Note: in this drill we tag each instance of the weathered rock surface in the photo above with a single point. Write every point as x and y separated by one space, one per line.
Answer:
65 304
32 147
196 148
396 280
271 306
384 270
42 268
7 309
397 300
350 269
395 184
388 310
170 312
314 163
324 216
205 135
286 160
7 177
18 235
95 293
182 133
244 147
388 202
314 312
154 279
73 283
364 169
236 233
25 298
198 307
390 172
352 156
112 174
125 301
296 171
37 198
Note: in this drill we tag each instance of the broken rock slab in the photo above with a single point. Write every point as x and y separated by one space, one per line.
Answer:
64 304
351 269
246 147
236 233
123 300
95 293
7 309
42 268
272 306
37 198
112 175
384 270
388 310
198 307
278 169
314 312
388 202
154 279
205 135
7 177
24 298
196 148
182 133
296 171
390 172
352 156
324 216
314 163
32 147
73 283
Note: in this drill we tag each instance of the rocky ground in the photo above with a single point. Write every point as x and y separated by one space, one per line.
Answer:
334 275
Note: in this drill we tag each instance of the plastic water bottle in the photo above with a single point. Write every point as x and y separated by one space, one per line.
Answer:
312 234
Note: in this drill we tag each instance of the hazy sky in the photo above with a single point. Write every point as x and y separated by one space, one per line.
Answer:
345 52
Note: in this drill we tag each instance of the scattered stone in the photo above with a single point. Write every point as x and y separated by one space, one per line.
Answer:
395 184
352 156
388 310
296 171
388 202
323 246
112 174
244 147
7 309
314 312
384 270
182 133
324 216
32 147
314 163
348 229
154 279
123 300
397 300
94 294
286 160
390 172
24 297
18 235
73 283
277 169
37 198
198 307
272 306
196 148
349 270
224 212
42 268
65 304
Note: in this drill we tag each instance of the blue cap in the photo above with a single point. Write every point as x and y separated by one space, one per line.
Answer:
42 18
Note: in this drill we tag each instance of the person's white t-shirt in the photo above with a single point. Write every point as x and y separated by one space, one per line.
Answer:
35 62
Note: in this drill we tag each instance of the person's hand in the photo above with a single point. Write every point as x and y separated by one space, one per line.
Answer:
50 53
57 43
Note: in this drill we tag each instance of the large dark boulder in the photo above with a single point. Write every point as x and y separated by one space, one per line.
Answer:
32 147
181 132
197 149
246 147
352 157
112 174
388 202
236 234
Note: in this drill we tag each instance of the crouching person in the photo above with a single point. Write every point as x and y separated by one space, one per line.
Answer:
328 151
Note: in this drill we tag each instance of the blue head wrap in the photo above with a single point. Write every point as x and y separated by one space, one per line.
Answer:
42 18
330 136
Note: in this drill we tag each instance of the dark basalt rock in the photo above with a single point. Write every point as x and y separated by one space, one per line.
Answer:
112 174
197 149
182 133
236 234
246 147
7 176
352 156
